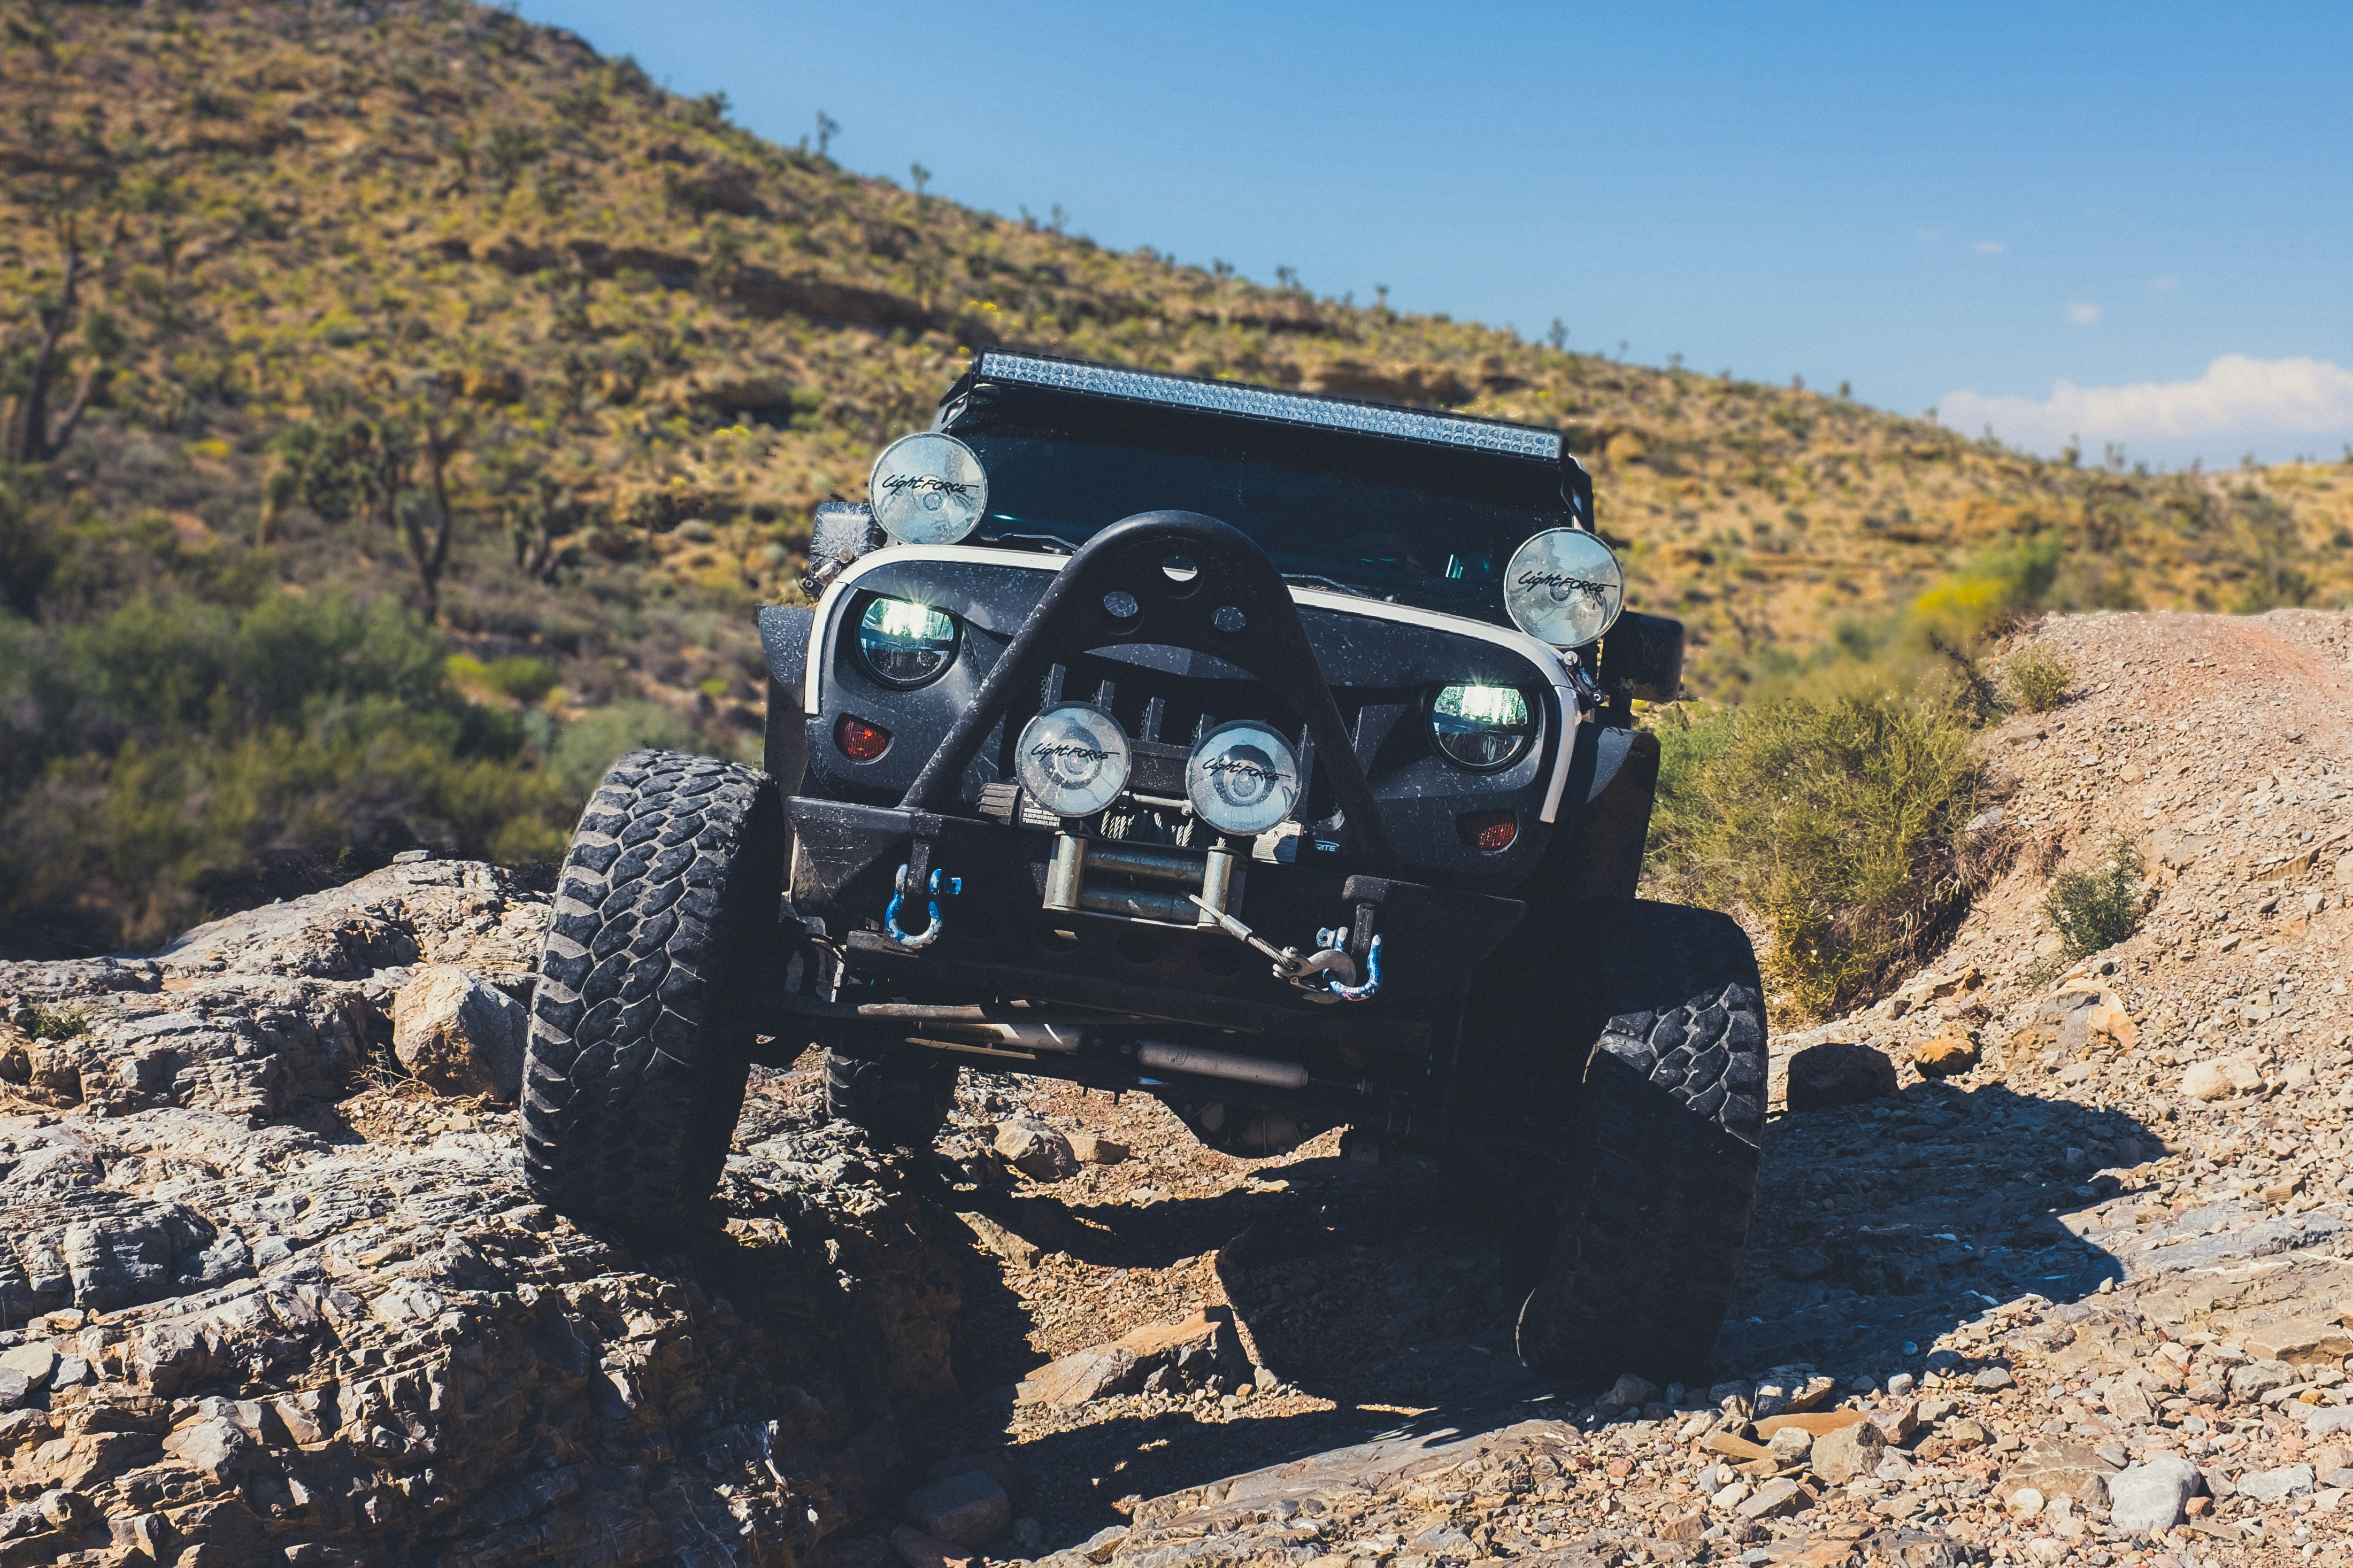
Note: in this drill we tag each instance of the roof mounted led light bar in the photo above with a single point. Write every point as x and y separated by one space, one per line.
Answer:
1257 401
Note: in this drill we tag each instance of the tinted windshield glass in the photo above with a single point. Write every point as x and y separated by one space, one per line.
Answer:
1385 518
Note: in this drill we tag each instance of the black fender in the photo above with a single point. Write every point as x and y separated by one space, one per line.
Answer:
1592 862
785 631
1643 656
1598 838
1597 851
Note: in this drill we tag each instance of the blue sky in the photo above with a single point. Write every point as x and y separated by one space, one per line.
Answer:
2130 223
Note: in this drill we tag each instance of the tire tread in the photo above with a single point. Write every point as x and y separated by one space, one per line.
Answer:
637 1060
1653 1219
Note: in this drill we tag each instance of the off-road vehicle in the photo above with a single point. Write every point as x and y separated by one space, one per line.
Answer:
1269 754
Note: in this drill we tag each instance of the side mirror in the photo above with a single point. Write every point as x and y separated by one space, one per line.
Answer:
1643 656
840 532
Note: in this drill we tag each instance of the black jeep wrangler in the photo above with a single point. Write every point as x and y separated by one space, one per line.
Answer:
1269 754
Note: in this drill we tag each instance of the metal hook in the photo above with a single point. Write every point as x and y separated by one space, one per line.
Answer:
930 934
1290 964
1373 977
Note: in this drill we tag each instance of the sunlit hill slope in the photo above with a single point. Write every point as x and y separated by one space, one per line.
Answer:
418 299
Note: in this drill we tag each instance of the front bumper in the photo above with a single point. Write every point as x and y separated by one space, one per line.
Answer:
999 939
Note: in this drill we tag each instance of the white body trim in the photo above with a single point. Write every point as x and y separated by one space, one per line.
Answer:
1543 656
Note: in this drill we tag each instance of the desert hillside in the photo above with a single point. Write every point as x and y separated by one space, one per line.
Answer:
2050 1264
659 340
421 310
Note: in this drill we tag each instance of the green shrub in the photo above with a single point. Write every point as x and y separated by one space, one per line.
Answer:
2038 680
588 745
2004 581
1836 825
2095 908
523 678
164 756
53 1023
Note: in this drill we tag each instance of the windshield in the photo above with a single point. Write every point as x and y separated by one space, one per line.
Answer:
1379 517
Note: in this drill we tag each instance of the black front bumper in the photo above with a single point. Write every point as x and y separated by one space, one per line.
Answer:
999 942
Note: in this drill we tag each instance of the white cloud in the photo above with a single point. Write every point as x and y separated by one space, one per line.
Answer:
2238 402
2165 284
1989 248
2083 315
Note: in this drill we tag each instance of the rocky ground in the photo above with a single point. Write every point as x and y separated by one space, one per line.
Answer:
2070 1296
271 1297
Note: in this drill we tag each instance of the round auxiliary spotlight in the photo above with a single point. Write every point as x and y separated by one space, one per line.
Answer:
1243 777
927 488
1072 759
1564 586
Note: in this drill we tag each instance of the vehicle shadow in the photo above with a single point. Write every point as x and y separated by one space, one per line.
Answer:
1374 1287
1888 1224
1079 1482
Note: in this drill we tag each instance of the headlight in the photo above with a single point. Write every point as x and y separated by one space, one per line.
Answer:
1565 587
904 644
1242 777
1072 759
927 488
1481 727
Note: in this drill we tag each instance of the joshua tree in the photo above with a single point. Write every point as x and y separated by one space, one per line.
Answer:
828 128
387 464
32 437
427 520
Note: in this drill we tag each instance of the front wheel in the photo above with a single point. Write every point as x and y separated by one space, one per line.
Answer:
1639 1239
638 1052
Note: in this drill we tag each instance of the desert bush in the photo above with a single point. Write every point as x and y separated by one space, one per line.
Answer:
2097 905
2004 581
168 753
587 747
1835 825
523 678
51 1023
2036 680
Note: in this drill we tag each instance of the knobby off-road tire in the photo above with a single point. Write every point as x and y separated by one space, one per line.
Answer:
1649 1225
634 1076
902 1102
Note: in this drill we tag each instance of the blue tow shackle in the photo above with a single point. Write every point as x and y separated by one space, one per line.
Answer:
942 885
1372 977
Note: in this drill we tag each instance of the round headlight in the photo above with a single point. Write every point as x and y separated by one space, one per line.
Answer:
1072 759
904 644
1481 727
927 488
1243 777
1565 587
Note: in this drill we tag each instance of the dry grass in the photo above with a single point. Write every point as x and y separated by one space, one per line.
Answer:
2037 682
2096 906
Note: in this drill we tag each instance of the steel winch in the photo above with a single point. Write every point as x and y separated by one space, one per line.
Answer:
1180 887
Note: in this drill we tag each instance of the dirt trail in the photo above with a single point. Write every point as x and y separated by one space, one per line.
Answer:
2009 1244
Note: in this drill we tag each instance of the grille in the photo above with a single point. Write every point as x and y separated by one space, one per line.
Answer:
1165 716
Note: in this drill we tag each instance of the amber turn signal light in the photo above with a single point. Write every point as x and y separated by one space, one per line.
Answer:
861 741
1488 830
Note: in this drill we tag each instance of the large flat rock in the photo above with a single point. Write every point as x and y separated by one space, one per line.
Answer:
289 1303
